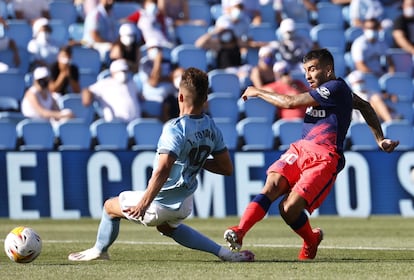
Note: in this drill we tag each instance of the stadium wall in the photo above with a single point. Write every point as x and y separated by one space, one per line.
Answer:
74 184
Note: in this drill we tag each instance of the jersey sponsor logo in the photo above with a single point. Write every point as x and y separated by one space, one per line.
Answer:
323 92
315 113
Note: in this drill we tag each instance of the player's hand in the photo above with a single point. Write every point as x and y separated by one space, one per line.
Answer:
136 212
388 145
249 92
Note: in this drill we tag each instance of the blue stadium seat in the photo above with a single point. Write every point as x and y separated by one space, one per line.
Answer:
87 59
257 108
256 133
229 131
403 131
199 11
73 134
262 33
329 13
189 33
223 105
329 36
145 132
75 31
73 101
404 109
20 31
402 60
361 137
222 81
8 135
60 33
109 135
287 132
400 84
36 134
151 108
8 103
12 84
64 11
188 55
121 10
87 78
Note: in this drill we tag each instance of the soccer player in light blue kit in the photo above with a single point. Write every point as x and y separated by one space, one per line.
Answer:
187 144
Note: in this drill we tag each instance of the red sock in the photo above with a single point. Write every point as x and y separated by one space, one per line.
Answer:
306 233
254 212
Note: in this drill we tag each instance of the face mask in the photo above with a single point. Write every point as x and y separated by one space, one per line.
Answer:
43 83
408 12
127 40
64 60
226 37
176 82
151 9
42 37
371 34
121 77
152 53
235 14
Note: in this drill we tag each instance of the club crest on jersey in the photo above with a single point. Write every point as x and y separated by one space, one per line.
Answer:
323 92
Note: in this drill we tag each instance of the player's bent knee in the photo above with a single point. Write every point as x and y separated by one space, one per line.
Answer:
165 229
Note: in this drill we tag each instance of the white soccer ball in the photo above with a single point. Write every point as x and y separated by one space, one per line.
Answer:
22 245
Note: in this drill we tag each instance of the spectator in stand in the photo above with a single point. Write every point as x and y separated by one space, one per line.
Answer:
8 43
64 76
250 7
117 95
403 32
298 10
42 48
39 103
177 12
377 100
367 50
31 10
360 10
100 29
152 23
262 73
285 84
127 46
85 6
292 47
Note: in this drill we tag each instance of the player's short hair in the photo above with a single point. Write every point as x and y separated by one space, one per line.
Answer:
196 82
324 57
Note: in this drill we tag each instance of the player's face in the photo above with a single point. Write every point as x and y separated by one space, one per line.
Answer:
315 74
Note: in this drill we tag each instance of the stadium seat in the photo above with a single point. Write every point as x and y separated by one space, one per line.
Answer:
329 13
109 135
401 130
229 131
8 135
404 109
329 36
87 59
351 33
60 33
8 103
75 31
151 108
189 33
402 60
257 108
121 10
222 81
35 134
251 57
64 11
362 138
340 64
400 84
268 13
199 11
73 101
223 105
256 134
20 31
145 133
262 33
12 84
73 134
188 55
287 132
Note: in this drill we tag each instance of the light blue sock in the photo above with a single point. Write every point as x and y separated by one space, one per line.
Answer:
107 232
190 238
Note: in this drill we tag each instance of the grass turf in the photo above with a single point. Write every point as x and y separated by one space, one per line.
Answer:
380 247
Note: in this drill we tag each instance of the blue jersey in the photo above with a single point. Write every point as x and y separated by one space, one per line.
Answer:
191 139
328 123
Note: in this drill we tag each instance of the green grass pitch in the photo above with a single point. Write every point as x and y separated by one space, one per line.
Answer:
379 247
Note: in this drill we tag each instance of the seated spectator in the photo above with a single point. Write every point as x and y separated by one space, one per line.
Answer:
251 8
30 10
127 46
403 32
377 100
117 96
292 47
368 50
64 76
262 73
39 103
8 43
42 48
360 10
285 84
152 23
100 29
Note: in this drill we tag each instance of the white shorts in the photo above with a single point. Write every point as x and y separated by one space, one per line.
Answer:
156 214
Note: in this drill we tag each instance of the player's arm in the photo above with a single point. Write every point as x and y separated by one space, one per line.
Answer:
157 180
220 163
281 100
371 119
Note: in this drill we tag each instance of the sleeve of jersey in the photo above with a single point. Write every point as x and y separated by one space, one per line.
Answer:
170 141
220 146
325 94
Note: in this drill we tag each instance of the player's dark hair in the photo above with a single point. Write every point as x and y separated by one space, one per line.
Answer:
324 57
196 82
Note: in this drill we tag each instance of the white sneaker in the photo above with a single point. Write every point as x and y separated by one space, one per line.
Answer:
232 256
88 255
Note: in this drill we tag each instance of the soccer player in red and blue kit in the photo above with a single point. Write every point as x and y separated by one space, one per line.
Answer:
306 172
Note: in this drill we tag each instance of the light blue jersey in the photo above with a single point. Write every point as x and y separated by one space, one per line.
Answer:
191 139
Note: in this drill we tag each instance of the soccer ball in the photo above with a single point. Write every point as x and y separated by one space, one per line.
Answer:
22 245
